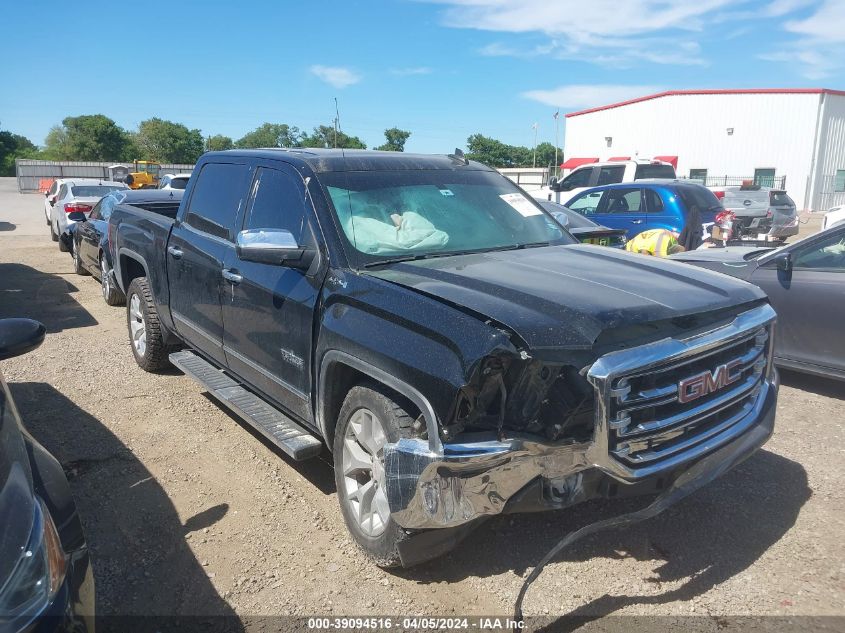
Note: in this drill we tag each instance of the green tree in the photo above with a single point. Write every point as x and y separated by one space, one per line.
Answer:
325 136
218 143
494 153
14 146
271 135
168 142
92 137
546 154
395 140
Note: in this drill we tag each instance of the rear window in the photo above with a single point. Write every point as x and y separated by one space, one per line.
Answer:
654 171
178 183
91 191
780 199
699 196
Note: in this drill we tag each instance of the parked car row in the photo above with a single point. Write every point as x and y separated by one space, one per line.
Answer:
461 349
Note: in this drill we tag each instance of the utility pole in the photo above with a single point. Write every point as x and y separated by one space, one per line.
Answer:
535 126
556 115
336 121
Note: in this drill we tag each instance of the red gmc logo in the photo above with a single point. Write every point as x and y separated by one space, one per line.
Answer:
706 382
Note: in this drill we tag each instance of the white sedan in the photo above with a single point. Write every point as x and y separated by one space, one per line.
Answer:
73 201
174 181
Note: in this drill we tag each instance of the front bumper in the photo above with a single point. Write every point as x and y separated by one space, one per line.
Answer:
481 476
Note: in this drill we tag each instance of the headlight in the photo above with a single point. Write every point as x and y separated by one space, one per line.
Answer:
37 576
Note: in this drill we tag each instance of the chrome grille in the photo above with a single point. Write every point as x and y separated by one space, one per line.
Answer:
643 425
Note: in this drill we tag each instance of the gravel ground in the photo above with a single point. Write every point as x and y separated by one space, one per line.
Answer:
189 512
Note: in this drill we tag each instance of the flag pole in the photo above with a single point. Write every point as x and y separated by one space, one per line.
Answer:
556 115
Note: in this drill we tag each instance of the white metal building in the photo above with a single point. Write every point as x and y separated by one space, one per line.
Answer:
778 137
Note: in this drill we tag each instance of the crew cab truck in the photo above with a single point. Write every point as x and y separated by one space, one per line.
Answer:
457 351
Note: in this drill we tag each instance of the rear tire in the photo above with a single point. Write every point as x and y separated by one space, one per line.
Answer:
78 268
368 419
62 247
145 335
53 235
112 294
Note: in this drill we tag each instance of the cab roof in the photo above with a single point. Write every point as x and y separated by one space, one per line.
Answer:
328 160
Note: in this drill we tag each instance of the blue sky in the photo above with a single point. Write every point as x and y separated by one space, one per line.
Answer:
443 69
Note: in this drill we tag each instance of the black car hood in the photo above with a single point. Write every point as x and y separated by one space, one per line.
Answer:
565 296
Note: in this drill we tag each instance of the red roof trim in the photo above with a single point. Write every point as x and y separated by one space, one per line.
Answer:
672 160
745 91
572 163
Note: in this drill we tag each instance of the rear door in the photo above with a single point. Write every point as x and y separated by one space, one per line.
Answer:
622 208
810 302
268 314
196 251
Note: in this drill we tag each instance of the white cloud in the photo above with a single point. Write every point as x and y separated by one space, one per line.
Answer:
415 70
820 46
582 96
607 32
336 76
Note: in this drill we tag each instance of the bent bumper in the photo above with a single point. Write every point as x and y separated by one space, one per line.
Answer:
478 479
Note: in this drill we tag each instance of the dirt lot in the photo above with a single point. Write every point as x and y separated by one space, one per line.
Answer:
188 512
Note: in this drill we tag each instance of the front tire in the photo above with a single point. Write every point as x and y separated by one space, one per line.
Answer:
368 419
112 295
145 335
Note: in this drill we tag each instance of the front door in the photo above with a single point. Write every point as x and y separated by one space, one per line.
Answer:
268 315
810 302
195 253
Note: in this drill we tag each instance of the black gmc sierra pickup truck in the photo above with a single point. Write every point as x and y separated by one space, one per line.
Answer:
459 353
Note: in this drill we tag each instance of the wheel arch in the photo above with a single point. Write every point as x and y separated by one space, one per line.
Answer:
132 265
339 372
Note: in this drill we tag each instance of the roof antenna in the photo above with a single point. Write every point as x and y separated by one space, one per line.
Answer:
458 156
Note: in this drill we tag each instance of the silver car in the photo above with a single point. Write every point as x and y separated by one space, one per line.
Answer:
761 211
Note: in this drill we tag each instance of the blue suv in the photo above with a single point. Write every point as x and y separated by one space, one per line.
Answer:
646 204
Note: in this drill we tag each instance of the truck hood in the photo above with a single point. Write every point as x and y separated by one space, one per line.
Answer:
557 297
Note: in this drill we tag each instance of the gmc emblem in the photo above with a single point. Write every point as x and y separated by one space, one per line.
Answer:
706 382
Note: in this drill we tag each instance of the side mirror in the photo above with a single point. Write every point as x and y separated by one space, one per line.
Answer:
561 217
19 336
784 262
77 216
277 247
552 183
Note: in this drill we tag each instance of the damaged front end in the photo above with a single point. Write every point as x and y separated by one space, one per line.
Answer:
536 434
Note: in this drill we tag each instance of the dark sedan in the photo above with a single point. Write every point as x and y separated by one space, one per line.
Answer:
46 584
88 239
805 282
584 229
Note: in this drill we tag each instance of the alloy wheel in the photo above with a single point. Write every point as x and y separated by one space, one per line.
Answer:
363 472
137 326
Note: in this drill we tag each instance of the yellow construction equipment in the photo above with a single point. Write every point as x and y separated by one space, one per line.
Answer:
145 176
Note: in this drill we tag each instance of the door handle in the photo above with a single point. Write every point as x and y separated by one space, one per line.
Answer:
175 252
231 276
636 221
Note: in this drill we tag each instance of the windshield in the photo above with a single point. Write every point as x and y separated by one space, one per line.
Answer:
92 191
417 213
654 171
149 168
